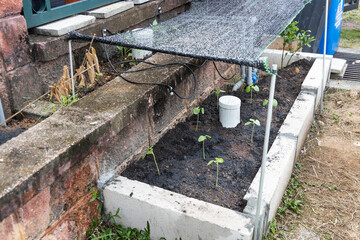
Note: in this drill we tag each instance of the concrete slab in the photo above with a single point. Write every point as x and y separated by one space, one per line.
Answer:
111 10
173 215
139 1
338 65
65 25
345 85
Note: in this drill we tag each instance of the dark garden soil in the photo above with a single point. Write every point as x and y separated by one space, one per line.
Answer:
179 154
15 127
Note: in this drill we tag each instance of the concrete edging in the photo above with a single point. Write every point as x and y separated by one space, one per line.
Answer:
280 161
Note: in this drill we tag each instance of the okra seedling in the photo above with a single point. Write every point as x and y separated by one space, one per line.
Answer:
250 88
217 96
217 161
202 139
151 152
275 102
197 112
254 122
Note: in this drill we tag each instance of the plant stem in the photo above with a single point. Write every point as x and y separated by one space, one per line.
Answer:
217 173
252 133
251 95
156 164
197 122
204 149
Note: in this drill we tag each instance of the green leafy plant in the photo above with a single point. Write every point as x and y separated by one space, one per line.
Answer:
125 53
290 35
253 122
67 101
107 228
202 139
275 102
250 88
273 231
197 112
336 118
217 92
151 152
217 161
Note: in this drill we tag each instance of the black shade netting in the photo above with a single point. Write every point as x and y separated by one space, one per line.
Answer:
235 31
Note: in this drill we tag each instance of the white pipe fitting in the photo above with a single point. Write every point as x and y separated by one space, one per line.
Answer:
229 111
142 35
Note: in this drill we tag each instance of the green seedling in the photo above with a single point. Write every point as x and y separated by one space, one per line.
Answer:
197 112
275 102
151 152
336 118
217 92
126 54
217 161
253 122
202 139
250 88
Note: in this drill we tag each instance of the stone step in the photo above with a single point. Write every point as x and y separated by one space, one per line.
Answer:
111 10
338 68
64 26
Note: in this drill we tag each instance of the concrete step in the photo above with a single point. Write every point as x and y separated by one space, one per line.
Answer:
64 26
338 68
139 1
111 10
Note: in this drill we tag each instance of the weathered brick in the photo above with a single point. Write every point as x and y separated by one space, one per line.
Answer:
14 46
24 83
4 96
71 186
36 214
8 8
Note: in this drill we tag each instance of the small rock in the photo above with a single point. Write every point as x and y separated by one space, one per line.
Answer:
339 103
354 94
321 123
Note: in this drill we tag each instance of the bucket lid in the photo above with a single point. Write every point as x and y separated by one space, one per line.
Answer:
229 102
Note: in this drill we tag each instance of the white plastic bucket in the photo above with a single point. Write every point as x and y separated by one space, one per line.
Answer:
229 111
142 35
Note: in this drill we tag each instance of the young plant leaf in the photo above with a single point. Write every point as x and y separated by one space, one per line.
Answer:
256 88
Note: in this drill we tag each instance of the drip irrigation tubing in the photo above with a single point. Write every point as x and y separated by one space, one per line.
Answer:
171 90
227 79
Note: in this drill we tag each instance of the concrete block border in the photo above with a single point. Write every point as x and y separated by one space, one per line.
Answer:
173 215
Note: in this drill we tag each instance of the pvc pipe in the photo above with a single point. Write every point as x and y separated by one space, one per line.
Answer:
243 72
249 79
258 235
142 35
324 56
238 85
229 110
2 115
71 70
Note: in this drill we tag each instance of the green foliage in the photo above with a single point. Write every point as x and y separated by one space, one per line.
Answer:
217 161
126 54
290 35
336 118
250 88
273 231
253 122
275 102
151 152
107 228
67 101
197 112
202 139
217 92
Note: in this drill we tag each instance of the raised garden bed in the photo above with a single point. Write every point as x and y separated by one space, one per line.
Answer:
174 215
180 157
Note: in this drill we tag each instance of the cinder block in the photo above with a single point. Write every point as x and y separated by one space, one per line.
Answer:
173 215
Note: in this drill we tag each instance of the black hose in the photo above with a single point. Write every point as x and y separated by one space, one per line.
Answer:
171 90
227 79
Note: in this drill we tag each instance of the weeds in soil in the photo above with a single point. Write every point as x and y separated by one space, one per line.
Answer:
217 161
289 36
217 92
202 139
275 102
253 122
274 231
250 88
197 112
126 54
107 228
151 152
336 118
